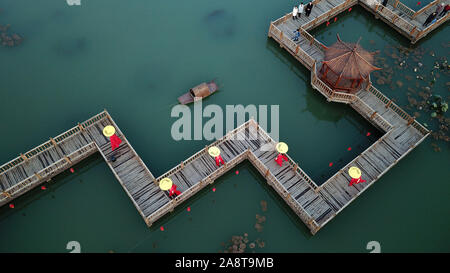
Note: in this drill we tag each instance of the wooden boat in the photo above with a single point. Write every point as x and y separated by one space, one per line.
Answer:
200 91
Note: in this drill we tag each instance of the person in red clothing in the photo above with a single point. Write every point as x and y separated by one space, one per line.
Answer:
444 11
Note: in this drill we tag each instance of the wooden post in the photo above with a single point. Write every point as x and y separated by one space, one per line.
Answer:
80 127
411 120
182 164
388 104
6 194
296 49
295 167
67 159
412 30
267 172
373 114
38 176
54 142
24 157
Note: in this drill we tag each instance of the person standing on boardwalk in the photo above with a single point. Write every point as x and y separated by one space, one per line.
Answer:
445 10
294 13
429 19
440 8
296 35
308 9
300 9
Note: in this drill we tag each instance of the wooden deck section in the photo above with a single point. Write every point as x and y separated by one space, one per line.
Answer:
315 205
397 15
244 143
402 132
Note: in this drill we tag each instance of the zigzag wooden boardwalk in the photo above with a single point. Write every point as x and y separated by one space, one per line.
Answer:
246 142
315 205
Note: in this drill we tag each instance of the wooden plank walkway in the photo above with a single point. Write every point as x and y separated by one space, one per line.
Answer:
315 205
193 174
402 132
397 15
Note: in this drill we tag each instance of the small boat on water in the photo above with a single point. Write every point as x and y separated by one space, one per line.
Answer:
200 91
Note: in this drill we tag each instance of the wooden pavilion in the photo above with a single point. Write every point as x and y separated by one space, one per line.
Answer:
346 66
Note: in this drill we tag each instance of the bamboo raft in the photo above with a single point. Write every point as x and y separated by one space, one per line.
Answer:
315 205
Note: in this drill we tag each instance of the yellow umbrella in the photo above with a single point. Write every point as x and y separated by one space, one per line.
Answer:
354 172
214 151
165 184
282 147
109 130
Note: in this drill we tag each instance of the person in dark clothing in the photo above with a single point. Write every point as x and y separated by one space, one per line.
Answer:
296 34
429 19
445 10
384 4
308 9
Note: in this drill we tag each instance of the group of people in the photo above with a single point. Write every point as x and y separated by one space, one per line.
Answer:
297 11
441 11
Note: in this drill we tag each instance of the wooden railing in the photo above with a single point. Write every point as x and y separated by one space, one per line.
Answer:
329 93
291 46
325 16
404 9
431 27
50 170
293 164
46 145
312 40
399 111
195 188
365 110
202 152
278 186
391 16
422 10
351 163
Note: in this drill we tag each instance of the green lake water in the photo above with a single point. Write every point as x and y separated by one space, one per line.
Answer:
135 58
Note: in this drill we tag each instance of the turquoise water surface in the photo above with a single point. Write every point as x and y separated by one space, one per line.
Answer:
135 58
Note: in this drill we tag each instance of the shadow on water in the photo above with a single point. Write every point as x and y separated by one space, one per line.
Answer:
58 181
220 23
71 48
